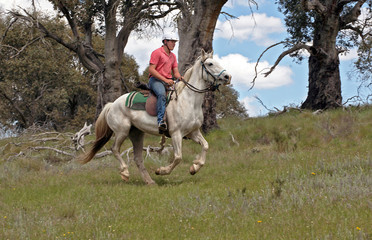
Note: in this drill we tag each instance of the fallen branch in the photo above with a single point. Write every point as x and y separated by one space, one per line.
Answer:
233 139
53 149
46 139
78 138
15 156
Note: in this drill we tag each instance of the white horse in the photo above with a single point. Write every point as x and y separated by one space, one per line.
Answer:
184 117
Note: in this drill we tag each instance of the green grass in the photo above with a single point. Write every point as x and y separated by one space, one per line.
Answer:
295 176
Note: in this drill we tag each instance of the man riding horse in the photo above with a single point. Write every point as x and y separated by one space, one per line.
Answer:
162 64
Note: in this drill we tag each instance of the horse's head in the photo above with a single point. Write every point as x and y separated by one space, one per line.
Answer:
213 71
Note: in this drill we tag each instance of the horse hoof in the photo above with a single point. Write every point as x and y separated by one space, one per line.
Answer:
192 170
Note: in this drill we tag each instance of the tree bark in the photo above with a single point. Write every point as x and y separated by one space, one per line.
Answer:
324 74
196 27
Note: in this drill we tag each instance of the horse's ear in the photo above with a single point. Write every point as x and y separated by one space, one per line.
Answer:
211 54
204 55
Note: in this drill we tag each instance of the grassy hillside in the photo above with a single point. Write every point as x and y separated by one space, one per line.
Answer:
294 176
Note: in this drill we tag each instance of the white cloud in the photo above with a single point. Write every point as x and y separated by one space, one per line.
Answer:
352 54
242 71
43 5
257 28
234 3
141 48
252 109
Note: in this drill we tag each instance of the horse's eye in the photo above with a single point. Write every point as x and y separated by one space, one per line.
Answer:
210 64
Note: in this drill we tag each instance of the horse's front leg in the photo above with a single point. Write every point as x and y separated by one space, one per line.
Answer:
199 162
177 148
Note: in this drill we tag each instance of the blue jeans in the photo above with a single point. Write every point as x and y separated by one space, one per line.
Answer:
158 87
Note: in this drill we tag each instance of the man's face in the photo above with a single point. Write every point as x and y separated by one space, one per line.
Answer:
171 44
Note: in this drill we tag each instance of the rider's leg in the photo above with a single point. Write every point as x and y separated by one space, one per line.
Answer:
158 88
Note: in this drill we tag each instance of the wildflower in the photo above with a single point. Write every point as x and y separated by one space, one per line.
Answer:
5 216
313 173
259 221
358 228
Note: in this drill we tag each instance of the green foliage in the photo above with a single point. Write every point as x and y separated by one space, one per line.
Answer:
301 25
227 103
249 188
42 83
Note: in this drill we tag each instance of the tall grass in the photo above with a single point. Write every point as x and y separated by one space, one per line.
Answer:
295 176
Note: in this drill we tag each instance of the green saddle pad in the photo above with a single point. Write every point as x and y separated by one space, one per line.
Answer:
136 100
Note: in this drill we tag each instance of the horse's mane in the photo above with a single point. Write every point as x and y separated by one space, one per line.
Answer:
186 77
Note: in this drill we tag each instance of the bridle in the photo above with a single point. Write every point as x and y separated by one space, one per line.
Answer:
213 87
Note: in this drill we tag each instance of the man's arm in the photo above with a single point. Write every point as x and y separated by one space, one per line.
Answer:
156 74
176 73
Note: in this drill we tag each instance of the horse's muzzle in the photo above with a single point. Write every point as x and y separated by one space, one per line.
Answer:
226 79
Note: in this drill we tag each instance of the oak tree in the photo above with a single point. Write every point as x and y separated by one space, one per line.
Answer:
325 29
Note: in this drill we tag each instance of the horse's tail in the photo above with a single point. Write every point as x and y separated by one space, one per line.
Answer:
103 135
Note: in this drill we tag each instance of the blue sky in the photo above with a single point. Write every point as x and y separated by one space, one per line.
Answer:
288 83
238 44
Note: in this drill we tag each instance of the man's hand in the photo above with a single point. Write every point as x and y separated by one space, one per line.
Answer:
169 82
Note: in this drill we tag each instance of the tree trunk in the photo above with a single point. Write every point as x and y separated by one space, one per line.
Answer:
324 83
196 30
324 74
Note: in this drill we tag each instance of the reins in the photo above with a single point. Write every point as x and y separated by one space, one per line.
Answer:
213 87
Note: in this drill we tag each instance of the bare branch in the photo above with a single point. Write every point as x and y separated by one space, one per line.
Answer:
46 139
233 139
289 51
29 18
78 138
25 46
285 53
53 149
262 104
258 60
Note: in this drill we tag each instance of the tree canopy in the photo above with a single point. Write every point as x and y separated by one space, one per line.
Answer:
326 29
43 83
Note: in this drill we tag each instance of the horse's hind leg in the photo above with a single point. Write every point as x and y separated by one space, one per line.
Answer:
136 136
119 139
177 147
200 159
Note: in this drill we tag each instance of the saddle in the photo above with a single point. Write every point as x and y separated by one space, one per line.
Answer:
144 99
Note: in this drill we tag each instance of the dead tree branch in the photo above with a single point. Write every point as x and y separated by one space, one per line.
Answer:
78 138
53 149
295 48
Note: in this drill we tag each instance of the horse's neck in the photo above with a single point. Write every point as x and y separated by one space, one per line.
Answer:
196 81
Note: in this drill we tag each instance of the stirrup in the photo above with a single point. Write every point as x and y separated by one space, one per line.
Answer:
162 127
